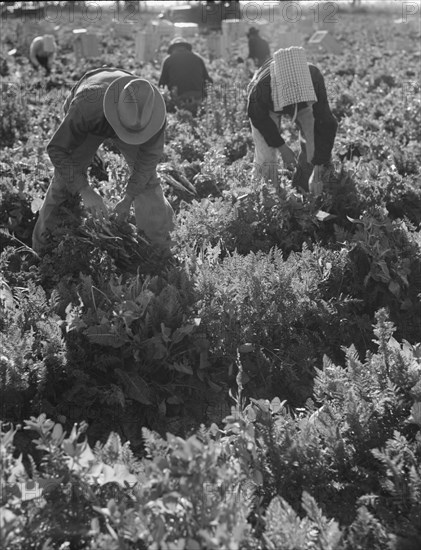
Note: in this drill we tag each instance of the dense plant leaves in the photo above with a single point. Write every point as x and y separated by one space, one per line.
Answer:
104 336
135 387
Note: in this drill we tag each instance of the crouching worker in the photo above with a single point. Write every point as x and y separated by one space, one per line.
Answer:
110 103
287 85
42 52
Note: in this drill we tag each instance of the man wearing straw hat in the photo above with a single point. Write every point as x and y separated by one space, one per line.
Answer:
287 85
184 73
42 52
115 104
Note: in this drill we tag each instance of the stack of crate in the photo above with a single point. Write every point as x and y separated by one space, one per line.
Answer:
85 44
147 44
123 30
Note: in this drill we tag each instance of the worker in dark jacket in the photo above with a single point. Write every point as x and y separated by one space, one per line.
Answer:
287 85
259 50
184 73
115 104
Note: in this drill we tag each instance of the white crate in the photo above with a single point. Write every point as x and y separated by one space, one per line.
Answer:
233 29
123 30
215 45
146 45
85 44
186 30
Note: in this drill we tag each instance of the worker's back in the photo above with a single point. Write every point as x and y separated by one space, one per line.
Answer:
258 49
185 70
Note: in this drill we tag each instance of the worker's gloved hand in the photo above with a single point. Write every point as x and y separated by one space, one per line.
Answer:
315 183
94 202
288 156
122 208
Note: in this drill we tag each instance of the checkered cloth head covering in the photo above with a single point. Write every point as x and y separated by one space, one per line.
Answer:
290 78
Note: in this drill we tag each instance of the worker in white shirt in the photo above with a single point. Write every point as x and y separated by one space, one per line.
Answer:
42 52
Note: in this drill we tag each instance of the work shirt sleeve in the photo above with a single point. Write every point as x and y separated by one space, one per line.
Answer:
164 78
206 76
69 136
33 51
258 110
252 49
142 160
325 124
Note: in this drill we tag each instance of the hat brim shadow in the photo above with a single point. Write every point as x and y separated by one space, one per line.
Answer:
110 104
184 44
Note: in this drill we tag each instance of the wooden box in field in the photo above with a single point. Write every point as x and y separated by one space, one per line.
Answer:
186 30
146 45
123 30
85 44
215 44
322 41
233 30
288 39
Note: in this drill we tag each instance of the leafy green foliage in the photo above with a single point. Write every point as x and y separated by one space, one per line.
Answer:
15 121
249 484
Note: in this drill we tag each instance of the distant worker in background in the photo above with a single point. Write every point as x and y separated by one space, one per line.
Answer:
287 85
185 75
115 104
259 49
42 52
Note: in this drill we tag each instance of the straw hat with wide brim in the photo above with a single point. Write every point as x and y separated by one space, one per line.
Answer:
134 108
178 41
252 32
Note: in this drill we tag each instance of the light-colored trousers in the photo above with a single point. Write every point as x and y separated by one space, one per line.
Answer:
266 157
154 214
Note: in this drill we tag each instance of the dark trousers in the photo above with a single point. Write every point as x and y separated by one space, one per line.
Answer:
44 62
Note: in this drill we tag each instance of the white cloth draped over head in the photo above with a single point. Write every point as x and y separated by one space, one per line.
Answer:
290 78
49 43
42 46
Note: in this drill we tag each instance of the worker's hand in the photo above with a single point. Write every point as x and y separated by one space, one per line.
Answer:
315 183
288 156
94 202
122 208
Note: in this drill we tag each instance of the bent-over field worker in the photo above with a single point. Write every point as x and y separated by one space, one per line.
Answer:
110 103
184 73
42 52
287 85
259 50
